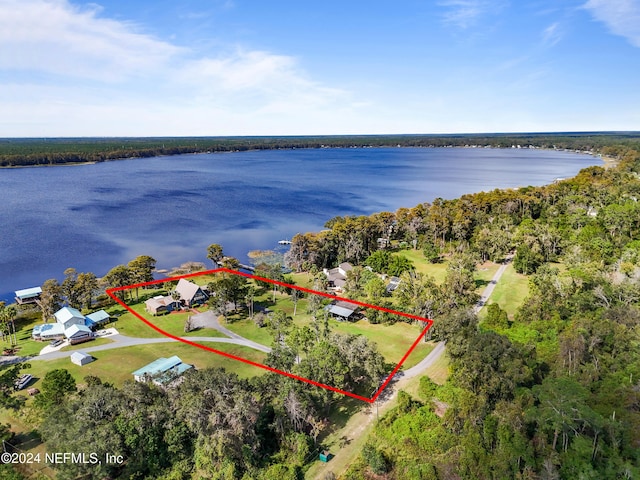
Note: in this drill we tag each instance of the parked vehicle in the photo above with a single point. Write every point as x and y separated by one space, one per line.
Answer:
55 343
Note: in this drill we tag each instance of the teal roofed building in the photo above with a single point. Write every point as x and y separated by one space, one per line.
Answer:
28 295
162 371
96 319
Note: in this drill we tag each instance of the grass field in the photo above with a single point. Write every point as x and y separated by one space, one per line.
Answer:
435 270
173 323
510 291
116 365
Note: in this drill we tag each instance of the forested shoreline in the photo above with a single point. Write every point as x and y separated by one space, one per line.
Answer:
24 152
551 391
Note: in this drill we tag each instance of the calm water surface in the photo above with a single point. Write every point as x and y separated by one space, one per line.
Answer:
93 217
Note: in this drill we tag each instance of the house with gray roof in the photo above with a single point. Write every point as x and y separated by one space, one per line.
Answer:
342 310
161 304
337 277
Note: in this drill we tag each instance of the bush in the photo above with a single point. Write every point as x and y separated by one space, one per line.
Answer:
375 459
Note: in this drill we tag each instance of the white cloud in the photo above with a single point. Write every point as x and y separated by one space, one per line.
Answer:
552 34
622 17
465 13
107 77
54 37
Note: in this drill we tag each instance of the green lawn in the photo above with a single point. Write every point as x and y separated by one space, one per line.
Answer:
393 341
483 275
435 270
173 323
510 291
116 365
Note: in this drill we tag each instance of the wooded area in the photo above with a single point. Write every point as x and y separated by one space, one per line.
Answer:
53 151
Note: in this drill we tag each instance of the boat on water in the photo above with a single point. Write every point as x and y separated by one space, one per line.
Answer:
284 242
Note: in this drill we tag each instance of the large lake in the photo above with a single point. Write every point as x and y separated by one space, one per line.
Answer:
93 217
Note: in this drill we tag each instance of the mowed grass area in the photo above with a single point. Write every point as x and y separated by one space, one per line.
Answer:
173 323
117 365
436 270
393 341
510 291
482 275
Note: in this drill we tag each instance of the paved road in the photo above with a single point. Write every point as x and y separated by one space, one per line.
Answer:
120 341
492 284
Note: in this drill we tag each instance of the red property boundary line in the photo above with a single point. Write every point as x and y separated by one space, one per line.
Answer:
429 323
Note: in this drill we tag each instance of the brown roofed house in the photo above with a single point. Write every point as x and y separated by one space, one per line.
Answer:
190 293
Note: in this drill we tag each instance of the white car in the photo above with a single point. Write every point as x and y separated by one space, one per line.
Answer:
23 381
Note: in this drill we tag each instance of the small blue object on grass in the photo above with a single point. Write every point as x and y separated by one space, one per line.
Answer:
325 456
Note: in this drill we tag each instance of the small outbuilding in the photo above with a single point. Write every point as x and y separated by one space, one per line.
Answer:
81 358
342 310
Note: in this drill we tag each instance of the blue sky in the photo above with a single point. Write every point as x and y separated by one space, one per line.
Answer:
250 67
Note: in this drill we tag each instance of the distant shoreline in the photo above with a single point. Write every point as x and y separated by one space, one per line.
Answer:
609 161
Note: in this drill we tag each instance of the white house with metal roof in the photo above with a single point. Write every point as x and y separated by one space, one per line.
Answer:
96 319
48 331
68 316
78 334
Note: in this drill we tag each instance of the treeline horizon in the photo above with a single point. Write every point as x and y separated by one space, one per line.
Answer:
15 152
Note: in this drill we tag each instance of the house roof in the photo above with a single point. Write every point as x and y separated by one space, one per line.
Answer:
158 366
342 309
334 274
51 329
68 313
77 356
346 266
159 301
77 330
186 289
173 372
28 293
96 318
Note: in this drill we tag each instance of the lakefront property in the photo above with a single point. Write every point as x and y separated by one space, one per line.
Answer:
70 325
185 295
557 277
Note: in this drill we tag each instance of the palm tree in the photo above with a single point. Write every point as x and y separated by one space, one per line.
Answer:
175 295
